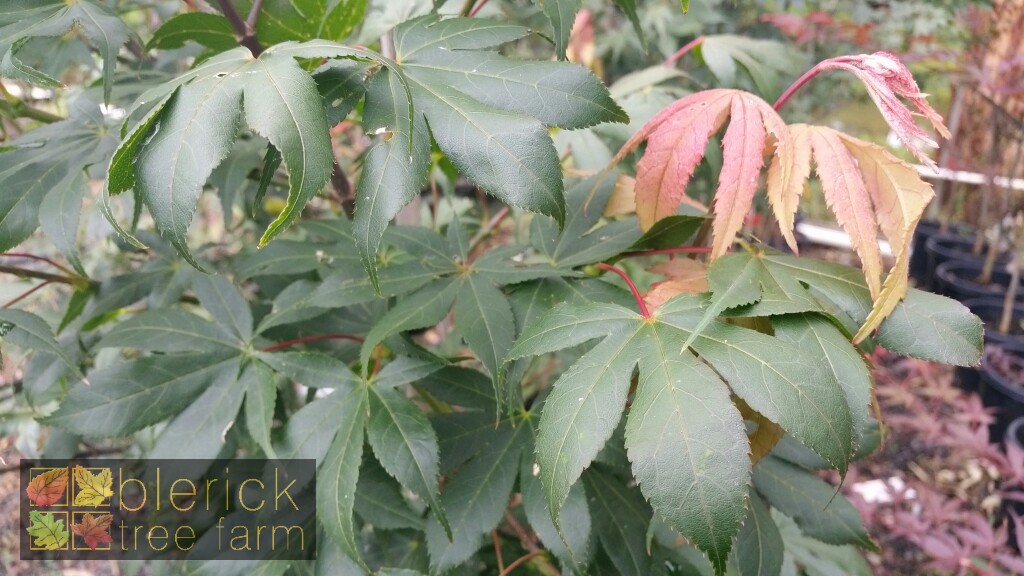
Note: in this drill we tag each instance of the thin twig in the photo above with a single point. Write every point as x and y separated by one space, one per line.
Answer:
376 362
467 7
521 560
17 108
671 60
254 13
497 550
242 31
629 282
529 542
493 223
28 293
38 259
318 338
26 273
796 86
679 250
477 8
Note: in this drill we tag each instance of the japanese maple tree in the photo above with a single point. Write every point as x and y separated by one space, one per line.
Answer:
495 383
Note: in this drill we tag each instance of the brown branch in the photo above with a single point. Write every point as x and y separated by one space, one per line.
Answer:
491 225
343 188
26 273
243 32
521 560
529 541
38 259
17 108
254 13
27 293
497 550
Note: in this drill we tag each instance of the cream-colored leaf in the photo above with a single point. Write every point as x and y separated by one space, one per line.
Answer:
848 197
787 175
623 199
900 197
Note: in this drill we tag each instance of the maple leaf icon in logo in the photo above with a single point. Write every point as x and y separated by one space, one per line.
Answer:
95 530
48 531
48 488
92 489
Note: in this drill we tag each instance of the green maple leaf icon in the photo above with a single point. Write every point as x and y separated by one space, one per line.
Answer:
49 532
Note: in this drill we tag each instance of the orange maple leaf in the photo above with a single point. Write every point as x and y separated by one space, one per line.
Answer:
95 530
48 488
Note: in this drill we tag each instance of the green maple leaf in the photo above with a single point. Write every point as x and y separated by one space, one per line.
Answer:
44 173
682 407
22 20
483 315
333 430
48 532
493 127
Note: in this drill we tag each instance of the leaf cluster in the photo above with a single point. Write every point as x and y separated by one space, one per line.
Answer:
473 384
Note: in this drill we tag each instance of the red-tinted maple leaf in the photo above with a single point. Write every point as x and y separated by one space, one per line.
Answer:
676 141
887 80
48 488
95 530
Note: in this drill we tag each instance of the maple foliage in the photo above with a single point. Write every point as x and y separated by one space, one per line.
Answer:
48 488
681 276
676 140
48 531
887 80
871 192
95 530
478 378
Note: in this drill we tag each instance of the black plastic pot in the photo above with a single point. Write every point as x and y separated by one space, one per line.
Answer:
944 248
957 279
919 265
1002 391
990 310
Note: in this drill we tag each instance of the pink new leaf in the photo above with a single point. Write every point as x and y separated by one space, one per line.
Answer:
676 141
887 80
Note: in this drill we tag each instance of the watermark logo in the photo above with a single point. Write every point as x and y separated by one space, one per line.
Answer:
169 509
